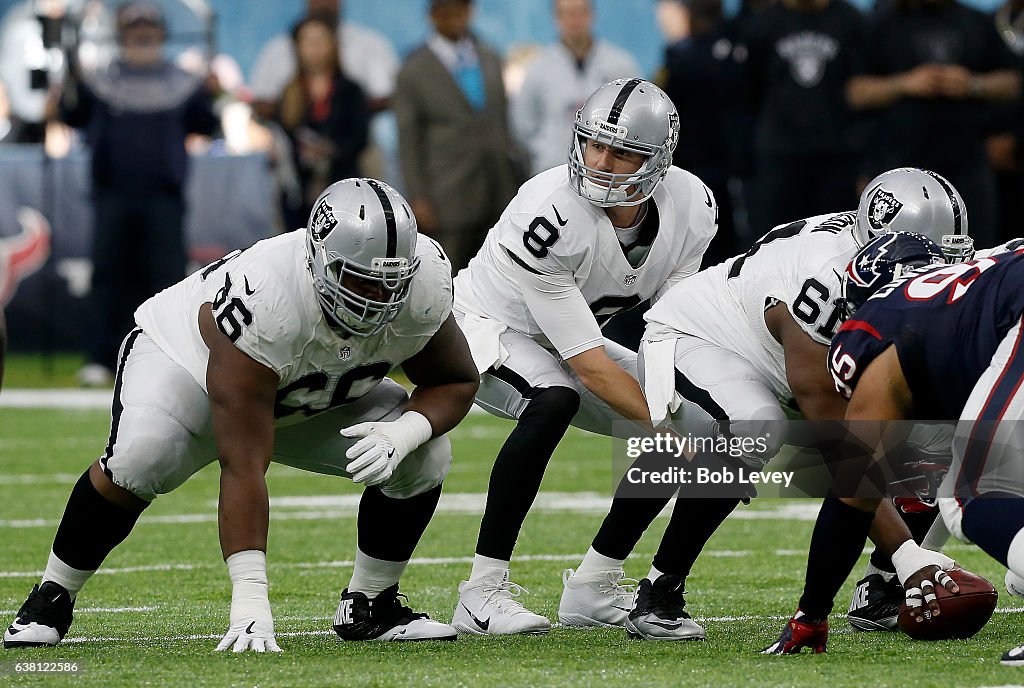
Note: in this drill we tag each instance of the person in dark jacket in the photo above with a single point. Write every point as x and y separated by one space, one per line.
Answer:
324 113
135 115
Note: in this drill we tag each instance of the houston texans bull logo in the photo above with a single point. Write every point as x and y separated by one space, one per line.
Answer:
882 209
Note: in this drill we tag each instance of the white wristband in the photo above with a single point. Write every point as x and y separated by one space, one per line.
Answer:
410 431
248 566
909 559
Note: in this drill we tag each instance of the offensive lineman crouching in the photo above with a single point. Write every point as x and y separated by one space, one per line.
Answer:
266 355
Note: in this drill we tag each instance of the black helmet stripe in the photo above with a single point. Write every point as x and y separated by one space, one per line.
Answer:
620 100
389 216
958 211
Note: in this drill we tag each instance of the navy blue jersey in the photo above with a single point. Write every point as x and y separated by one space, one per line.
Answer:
946 323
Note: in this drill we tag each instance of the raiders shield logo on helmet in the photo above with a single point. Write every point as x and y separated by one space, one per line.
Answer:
322 221
883 209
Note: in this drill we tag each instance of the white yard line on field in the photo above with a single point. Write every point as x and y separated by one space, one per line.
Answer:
97 610
326 507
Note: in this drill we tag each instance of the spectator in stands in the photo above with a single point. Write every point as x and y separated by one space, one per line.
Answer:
805 146
933 71
136 126
708 61
366 57
1006 145
453 133
560 79
325 116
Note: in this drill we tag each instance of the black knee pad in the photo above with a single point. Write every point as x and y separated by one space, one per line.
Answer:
552 407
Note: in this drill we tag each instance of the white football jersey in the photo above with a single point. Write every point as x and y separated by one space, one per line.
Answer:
799 264
263 300
552 268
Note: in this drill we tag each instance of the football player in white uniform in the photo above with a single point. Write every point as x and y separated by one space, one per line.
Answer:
280 353
724 353
579 243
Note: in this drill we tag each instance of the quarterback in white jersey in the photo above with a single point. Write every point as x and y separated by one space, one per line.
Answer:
280 353
727 350
616 227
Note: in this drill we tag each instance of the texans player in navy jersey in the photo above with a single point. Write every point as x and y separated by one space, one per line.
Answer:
894 362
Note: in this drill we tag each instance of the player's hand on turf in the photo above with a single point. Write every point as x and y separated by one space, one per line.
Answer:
799 633
920 588
250 634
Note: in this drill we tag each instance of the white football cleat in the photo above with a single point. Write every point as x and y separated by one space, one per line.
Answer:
488 606
1014 584
43 620
601 600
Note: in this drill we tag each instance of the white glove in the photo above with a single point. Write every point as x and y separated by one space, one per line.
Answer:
252 625
910 558
384 445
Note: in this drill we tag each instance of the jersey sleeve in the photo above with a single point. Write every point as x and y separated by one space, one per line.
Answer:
702 224
251 309
430 298
1009 247
853 348
544 266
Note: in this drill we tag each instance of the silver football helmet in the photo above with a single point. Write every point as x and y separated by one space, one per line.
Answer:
361 253
634 115
909 199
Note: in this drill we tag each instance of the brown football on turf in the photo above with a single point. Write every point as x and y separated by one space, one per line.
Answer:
962 615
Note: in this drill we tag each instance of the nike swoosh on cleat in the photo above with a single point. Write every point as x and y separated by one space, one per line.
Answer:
667 626
248 630
14 631
482 624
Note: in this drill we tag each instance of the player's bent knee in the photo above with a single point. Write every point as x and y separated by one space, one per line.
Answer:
421 471
552 407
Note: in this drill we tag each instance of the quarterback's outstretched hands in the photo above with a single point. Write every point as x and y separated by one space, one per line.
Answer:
383 446
252 625
800 632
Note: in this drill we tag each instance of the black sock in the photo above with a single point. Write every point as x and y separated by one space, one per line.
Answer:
694 520
519 468
390 528
992 521
625 524
918 522
91 527
838 539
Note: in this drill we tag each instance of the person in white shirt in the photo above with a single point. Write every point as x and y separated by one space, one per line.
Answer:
560 79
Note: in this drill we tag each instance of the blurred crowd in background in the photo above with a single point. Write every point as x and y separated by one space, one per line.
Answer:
787 108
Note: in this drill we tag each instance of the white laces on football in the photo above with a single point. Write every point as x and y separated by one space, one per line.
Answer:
503 597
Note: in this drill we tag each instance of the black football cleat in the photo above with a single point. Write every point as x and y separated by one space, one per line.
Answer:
876 604
385 618
660 612
43 620
1013 657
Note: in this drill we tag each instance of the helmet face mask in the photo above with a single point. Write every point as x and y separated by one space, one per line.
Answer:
882 261
360 251
630 115
909 199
